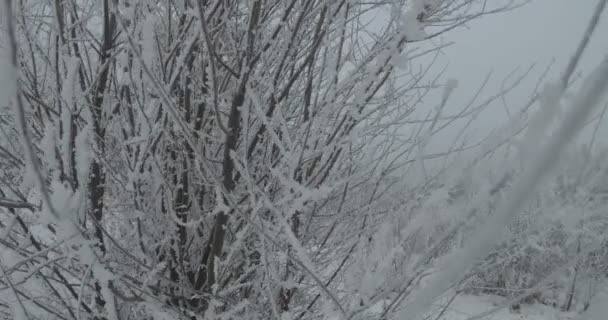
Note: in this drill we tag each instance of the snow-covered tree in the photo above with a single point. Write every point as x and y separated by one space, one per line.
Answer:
198 159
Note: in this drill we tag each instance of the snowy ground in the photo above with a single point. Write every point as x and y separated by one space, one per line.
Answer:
487 307
467 306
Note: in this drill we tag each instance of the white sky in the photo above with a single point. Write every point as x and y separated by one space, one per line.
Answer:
537 32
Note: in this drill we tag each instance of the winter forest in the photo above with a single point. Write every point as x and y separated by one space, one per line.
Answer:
293 160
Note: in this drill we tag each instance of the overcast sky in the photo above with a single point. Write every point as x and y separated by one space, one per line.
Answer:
538 32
